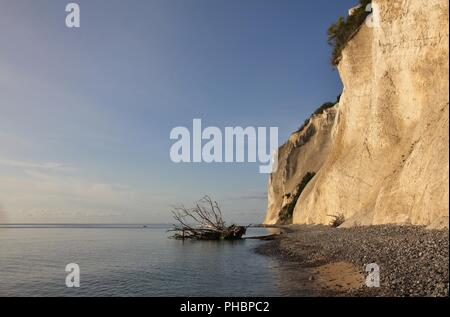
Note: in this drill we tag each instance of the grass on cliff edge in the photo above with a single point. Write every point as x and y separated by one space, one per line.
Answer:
340 32
318 111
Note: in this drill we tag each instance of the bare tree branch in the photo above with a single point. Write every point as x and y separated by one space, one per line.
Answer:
207 222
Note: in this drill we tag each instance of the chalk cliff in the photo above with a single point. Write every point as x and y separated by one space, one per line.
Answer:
381 155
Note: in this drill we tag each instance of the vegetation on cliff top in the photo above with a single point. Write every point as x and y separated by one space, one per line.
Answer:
319 111
340 32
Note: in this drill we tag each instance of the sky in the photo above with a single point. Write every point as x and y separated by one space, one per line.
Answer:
86 113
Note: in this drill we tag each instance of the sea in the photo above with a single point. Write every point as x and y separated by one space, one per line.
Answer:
139 260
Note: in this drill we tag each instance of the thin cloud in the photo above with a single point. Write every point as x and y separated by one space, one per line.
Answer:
258 196
33 165
41 195
50 190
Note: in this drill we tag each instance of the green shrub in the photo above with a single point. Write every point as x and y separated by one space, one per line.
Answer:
305 180
340 32
286 213
324 107
303 126
318 111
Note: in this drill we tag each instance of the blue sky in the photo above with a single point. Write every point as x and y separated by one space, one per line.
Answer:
85 114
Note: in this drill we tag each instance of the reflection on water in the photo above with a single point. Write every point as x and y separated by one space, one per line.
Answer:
138 262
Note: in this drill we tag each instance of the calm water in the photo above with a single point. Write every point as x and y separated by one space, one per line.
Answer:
136 261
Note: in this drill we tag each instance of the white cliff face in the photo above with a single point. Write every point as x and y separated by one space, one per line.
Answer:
304 152
383 158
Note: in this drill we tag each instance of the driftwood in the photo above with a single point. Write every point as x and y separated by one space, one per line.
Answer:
204 222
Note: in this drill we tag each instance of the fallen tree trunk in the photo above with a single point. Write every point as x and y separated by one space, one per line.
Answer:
207 220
